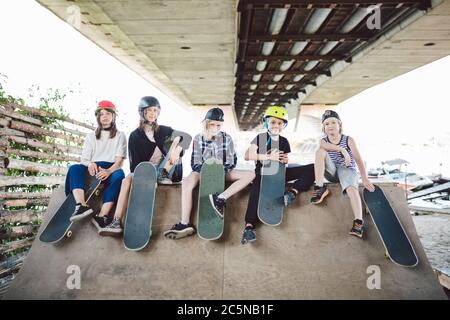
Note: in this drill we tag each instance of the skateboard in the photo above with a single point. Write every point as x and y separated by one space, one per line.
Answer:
59 225
270 203
184 143
395 240
138 220
212 180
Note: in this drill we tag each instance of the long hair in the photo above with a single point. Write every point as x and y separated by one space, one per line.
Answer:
154 125
112 131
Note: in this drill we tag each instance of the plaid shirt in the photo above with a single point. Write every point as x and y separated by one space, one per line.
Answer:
221 148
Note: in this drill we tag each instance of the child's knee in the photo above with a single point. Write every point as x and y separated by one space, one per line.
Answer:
352 190
117 175
127 182
76 168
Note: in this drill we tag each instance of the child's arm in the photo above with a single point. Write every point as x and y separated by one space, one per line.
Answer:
197 157
332 147
251 154
359 162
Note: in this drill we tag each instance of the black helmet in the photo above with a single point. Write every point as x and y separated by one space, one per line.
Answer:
147 102
330 114
215 114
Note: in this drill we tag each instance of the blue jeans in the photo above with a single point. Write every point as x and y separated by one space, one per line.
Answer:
77 172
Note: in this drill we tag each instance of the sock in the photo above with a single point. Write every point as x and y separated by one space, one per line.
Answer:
221 196
320 185
248 227
77 206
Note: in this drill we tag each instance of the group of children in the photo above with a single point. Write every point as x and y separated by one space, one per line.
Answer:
105 149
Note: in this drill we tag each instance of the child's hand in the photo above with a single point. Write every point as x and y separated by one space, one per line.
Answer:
274 156
347 159
173 158
92 168
103 174
368 185
283 158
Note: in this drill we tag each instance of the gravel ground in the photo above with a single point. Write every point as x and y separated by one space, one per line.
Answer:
434 233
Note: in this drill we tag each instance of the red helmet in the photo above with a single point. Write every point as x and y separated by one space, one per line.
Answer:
105 105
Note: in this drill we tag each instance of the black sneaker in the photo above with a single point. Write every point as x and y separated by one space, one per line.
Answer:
179 231
248 236
218 204
99 222
81 211
164 177
289 197
320 193
114 228
358 228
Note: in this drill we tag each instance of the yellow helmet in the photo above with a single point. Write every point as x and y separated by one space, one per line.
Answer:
276 112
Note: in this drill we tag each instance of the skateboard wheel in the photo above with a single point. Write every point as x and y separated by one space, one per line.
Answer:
97 192
69 233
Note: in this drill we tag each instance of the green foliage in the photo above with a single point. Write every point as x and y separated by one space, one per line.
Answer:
50 101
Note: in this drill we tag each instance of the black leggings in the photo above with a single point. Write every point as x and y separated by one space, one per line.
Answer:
304 179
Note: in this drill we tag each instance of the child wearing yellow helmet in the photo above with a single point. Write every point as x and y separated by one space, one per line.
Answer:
270 145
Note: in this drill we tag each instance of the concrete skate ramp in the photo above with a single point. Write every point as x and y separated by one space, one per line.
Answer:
310 256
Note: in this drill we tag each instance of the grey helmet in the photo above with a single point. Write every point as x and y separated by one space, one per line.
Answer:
147 102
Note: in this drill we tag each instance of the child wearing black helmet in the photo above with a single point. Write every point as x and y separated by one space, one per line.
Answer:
146 143
211 143
270 145
336 160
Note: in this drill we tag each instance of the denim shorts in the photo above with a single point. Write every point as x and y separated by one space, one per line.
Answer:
347 177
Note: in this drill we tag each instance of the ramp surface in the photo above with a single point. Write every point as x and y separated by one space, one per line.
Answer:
309 256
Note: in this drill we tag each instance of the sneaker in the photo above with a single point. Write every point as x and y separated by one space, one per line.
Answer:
81 211
179 231
248 236
164 177
289 197
320 193
111 229
99 222
357 229
218 204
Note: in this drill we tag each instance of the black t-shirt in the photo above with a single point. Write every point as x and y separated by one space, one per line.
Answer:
140 148
266 145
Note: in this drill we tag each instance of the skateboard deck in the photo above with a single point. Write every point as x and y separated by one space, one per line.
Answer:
138 220
392 234
59 225
270 203
212 179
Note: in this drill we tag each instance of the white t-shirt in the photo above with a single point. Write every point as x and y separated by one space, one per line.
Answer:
104 149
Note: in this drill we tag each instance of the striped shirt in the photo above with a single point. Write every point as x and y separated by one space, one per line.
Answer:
337 157
221 147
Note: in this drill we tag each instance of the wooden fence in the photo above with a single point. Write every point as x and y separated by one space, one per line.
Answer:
39 153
